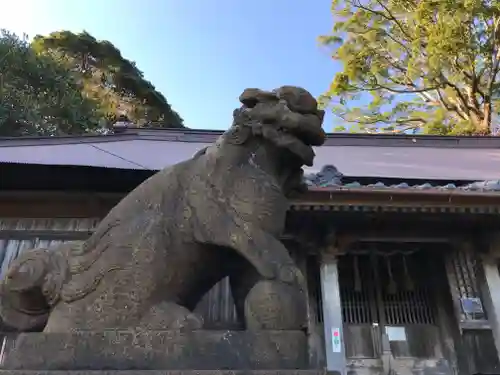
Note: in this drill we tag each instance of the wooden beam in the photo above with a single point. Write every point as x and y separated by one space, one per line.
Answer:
344 237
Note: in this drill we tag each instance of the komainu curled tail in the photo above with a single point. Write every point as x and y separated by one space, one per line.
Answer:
32 285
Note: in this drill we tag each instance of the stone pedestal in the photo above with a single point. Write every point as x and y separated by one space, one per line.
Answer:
157 352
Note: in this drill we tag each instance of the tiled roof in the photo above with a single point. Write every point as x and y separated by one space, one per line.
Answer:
330 177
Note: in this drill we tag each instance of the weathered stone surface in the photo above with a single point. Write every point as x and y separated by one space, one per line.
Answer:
167 350
156 253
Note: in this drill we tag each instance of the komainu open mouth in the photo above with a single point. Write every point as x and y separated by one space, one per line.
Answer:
310 130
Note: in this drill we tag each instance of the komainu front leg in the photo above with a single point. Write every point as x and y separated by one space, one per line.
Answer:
264 304
276 298
274 305
263 251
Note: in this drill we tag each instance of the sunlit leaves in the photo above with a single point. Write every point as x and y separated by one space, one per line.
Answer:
69 83
125 90
417 65
38 95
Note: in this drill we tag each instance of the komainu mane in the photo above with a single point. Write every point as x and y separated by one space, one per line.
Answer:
156 253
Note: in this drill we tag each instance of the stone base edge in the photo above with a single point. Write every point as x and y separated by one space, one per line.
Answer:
158 350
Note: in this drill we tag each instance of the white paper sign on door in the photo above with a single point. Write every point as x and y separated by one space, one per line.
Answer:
336 345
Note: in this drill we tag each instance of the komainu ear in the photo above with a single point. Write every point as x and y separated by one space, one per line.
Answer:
250 97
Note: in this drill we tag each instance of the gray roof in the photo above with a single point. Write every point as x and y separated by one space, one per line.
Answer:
403 157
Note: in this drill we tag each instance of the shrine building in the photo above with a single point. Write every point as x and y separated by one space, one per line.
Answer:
398 237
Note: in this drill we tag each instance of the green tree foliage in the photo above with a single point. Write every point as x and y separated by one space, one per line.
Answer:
38 96
422 65
109 78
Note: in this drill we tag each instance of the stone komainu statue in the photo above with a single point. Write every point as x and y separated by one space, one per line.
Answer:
156 253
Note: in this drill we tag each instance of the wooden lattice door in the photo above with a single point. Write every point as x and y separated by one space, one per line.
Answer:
385 289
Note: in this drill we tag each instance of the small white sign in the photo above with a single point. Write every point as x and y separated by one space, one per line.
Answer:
395 333
336 343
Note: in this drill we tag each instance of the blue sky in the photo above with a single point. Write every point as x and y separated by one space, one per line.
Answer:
200 54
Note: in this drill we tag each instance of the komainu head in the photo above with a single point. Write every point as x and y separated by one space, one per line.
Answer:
287 116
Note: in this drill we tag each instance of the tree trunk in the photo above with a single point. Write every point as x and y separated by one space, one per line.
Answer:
485 124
